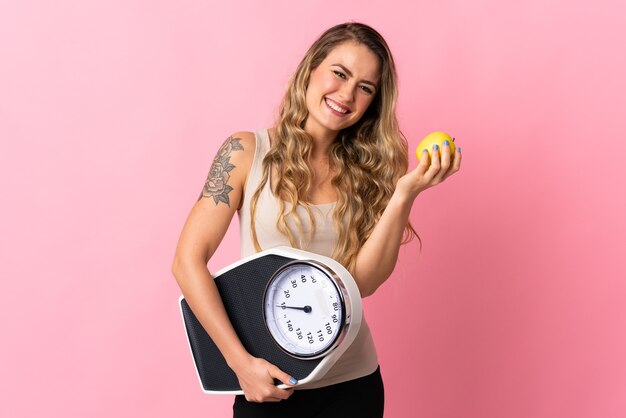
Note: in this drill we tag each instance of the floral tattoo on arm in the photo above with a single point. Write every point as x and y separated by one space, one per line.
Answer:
216 185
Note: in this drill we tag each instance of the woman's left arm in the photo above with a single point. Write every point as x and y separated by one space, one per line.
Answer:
378 255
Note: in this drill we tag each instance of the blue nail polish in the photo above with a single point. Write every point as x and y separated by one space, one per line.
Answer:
446 142
293 381
435 147
459 149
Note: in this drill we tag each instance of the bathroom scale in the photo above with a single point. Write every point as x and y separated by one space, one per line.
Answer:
296 309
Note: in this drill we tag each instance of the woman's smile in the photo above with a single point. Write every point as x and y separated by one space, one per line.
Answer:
337 108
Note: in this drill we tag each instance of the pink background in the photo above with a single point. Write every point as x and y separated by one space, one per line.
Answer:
111 113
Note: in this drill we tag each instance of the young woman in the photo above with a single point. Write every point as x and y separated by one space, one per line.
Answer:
330 177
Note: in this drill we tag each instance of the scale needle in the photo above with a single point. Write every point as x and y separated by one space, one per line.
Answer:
306 309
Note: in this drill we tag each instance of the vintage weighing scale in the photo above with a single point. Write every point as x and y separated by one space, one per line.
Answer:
298 310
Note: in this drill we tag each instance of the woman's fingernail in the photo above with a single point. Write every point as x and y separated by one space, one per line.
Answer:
446 143
293 381
435 147
459 149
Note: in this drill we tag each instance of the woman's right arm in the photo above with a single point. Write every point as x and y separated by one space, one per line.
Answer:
203 231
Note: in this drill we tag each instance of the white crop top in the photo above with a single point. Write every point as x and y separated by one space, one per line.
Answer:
360 359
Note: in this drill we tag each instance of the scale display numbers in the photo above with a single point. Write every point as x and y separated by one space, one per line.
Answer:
304 309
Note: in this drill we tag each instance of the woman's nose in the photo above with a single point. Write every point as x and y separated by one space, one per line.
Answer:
346 93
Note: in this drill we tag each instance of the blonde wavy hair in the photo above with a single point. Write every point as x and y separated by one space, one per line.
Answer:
368 157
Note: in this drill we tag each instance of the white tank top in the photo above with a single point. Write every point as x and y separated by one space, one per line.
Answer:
360 359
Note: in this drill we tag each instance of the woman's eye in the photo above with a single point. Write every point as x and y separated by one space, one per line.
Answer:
343 76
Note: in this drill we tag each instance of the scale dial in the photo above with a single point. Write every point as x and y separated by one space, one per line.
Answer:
304 309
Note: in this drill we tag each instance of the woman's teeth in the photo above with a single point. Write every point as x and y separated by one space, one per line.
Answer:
335 107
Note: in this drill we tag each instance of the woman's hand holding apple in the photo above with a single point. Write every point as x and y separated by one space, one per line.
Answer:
439 158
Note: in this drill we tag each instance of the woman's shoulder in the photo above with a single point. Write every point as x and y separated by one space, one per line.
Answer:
247 142
246 139
240 147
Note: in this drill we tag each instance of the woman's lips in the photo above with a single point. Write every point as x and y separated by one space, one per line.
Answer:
336 112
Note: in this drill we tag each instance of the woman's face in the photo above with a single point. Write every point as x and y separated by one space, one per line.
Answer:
341 88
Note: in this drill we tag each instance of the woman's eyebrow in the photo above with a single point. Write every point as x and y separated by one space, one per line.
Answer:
350 74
